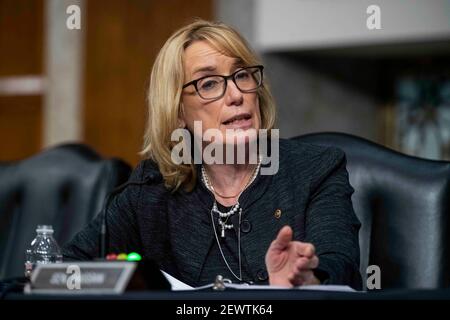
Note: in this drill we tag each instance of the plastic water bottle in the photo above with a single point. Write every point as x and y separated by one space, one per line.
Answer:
43 249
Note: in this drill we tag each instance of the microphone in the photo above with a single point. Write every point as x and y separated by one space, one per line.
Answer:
103 246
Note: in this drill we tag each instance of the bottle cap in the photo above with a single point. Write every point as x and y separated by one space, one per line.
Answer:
44 228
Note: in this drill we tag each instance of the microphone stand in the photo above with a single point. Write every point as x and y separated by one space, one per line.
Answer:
116 191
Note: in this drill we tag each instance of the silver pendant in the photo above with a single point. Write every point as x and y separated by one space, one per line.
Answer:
222 234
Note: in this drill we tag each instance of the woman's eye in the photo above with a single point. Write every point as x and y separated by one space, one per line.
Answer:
242 75
209 84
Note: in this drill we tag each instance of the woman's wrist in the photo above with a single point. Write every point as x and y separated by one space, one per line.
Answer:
275 280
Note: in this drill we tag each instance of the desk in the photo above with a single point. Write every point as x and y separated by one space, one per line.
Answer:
247 294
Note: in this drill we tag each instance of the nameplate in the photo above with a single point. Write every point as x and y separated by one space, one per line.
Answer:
81 277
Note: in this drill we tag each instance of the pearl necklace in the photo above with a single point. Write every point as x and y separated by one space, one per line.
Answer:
223 216
226 215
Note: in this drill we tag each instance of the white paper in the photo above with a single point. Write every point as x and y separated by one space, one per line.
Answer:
175 283
327 288
269 287
178 285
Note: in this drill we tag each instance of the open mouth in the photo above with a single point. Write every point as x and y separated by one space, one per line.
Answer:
237 119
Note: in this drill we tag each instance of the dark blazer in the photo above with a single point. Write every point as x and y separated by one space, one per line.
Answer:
311 188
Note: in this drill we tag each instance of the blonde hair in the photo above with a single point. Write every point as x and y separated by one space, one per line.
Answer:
164 95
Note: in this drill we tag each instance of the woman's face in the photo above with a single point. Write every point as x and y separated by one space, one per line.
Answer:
201 60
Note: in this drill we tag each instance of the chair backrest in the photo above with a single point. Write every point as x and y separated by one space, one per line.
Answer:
403 203
63 186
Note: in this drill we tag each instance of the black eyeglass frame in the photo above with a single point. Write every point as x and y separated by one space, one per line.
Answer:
225 78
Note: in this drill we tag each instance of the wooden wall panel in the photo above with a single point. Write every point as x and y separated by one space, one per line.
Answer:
21 54
20 126
21 37
122 40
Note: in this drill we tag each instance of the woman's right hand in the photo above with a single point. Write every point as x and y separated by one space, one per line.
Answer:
291 263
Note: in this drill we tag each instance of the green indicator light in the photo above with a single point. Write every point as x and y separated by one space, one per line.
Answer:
133 256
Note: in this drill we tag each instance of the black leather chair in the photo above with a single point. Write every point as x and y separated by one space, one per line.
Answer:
403 203
63 186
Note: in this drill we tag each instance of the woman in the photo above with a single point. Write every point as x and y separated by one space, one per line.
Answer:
293 227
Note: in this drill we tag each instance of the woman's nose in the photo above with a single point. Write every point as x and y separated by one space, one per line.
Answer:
233 96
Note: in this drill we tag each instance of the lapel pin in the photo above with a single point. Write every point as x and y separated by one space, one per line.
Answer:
277 213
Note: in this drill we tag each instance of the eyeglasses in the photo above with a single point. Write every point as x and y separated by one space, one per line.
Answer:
247 79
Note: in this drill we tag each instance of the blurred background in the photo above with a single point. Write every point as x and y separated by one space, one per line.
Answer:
328 70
